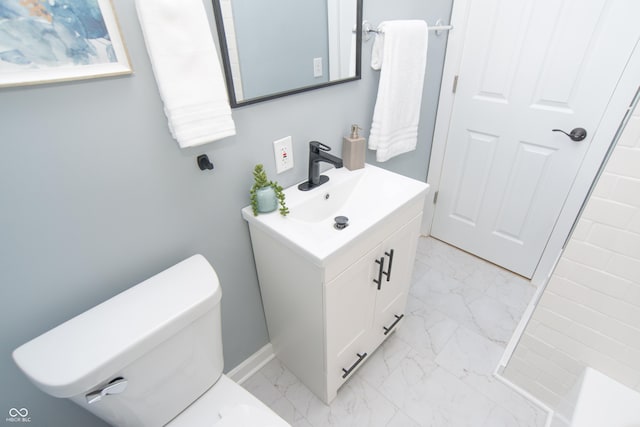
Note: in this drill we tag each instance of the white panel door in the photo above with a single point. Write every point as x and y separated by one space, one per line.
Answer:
528 66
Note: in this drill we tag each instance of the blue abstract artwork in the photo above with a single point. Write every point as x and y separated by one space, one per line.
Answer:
53 34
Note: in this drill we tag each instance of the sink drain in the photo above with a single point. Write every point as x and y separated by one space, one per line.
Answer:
341 222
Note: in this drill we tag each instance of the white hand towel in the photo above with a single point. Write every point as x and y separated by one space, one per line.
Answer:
185 64
400 52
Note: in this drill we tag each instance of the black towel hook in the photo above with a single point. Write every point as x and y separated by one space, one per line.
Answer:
204 163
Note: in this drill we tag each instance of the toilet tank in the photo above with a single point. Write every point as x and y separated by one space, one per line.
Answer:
162 337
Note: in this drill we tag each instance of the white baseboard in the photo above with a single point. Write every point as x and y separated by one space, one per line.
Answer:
252 364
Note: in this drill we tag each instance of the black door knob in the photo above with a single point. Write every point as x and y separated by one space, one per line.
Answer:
577 134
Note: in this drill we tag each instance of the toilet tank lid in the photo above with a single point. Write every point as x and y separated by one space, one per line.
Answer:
87 350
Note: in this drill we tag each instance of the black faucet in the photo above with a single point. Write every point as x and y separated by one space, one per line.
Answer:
318 153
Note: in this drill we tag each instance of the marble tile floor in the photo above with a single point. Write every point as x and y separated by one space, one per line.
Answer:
436 369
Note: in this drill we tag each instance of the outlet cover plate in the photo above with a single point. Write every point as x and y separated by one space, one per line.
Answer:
283 151
317 67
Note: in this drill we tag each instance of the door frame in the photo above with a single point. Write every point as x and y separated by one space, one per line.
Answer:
618 106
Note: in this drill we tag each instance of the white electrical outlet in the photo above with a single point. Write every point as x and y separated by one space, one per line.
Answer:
283 150
317 67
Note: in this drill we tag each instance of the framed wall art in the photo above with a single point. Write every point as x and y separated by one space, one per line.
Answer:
43 41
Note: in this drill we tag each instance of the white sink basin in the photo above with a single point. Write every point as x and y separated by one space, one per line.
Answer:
366 196
327 204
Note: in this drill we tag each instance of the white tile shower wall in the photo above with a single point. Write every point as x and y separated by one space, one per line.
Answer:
589 314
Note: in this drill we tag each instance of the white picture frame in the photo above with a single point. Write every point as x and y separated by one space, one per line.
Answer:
44 42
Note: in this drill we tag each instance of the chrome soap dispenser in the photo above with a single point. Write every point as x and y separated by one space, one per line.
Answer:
353 150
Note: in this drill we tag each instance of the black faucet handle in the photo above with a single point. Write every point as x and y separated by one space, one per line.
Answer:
316 146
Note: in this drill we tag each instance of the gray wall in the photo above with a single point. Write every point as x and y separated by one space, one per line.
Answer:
276 53
96 196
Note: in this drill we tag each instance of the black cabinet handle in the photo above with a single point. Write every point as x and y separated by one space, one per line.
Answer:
378 281
393 325
348 371
388 272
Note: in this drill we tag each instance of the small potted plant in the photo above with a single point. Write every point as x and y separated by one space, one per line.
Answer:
265 194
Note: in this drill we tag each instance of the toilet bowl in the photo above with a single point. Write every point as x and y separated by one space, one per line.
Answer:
150 356
226 404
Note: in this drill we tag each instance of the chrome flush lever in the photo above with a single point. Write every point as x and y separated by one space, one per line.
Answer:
116 386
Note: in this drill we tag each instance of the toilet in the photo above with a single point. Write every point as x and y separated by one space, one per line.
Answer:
150 356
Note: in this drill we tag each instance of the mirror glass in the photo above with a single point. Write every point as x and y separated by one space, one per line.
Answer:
279 47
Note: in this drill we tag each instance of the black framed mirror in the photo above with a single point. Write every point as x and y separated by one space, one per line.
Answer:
276 48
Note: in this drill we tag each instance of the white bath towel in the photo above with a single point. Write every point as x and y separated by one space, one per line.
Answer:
185 64
400 52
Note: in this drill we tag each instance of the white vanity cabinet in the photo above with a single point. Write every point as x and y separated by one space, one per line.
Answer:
366 302
325 321
331 297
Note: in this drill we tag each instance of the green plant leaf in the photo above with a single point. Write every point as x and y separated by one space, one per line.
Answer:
260 180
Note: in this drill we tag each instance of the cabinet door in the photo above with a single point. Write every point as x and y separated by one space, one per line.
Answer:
399 252
350 304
